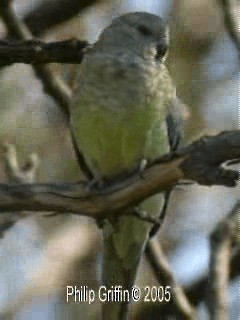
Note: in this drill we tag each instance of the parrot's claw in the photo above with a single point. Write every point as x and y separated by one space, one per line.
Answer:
143 215
142 167
100 222
91 184
180 185
94 183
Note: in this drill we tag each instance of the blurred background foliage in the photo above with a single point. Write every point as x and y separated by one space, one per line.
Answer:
204 64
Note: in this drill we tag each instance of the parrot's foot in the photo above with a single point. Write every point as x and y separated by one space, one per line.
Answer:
94 183
100 222
143 215
180 185
52 214
232 162
142 167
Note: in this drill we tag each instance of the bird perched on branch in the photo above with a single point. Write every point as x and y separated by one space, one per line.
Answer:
125 113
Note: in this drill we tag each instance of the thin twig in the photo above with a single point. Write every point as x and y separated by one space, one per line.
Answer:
78 244
53 84
221 241
230 23
162 215
17 174
164 275
196 291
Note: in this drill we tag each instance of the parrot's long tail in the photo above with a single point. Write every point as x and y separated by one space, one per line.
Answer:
124 243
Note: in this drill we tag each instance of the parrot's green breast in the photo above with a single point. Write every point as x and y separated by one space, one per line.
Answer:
118 118
113 143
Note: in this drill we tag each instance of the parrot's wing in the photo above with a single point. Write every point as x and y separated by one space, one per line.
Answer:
174 119
80 159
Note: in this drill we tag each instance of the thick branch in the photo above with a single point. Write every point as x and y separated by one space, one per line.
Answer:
201 162
38 52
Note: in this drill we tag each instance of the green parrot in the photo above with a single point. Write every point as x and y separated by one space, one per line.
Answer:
124 113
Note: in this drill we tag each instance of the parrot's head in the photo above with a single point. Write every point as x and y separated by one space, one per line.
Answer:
144 33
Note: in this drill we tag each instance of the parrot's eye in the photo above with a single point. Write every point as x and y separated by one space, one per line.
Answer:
161 50
144 30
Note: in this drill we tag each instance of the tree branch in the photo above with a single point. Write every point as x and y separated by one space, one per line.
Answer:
17 174
164 275
78 244
53 84
230 23
39 52
51 13
221 241
201 161
196 292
